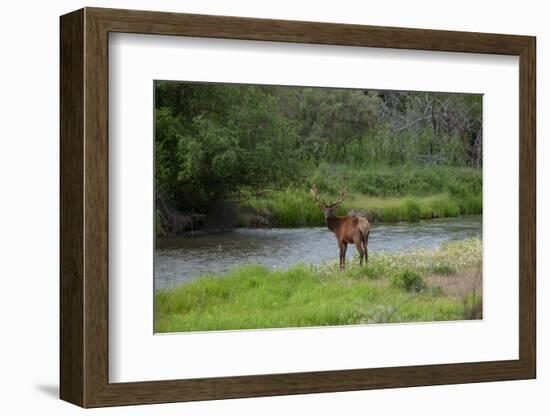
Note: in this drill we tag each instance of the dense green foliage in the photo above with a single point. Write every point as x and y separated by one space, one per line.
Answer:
220 147
214 140
389 289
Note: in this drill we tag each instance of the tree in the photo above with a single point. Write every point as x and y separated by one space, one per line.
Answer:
213 143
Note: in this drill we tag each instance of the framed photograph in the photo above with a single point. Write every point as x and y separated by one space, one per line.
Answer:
254 207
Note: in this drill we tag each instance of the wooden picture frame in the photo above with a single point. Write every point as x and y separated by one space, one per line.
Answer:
84 207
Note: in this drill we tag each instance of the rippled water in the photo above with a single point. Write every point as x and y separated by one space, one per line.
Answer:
181 259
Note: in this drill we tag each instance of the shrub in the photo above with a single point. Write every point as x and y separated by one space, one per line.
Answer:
374 270
409 280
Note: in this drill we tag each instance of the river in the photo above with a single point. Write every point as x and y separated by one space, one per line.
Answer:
182 259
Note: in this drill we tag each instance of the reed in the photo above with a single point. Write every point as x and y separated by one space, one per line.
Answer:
383 194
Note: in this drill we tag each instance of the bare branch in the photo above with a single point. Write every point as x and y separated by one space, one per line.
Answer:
406 126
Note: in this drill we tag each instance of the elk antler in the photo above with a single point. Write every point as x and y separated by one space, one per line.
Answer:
322 203
340 199
315 194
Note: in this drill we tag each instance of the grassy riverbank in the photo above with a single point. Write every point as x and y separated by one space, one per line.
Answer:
406 193
443 284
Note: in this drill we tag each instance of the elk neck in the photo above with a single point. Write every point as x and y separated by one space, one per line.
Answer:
333 222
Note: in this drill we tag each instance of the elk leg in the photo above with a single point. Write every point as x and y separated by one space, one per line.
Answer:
359 246
344 256
342 248
340 251
365 243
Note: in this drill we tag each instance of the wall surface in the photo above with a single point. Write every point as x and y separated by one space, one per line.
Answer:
29 224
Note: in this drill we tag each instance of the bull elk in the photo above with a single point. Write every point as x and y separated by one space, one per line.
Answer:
347 229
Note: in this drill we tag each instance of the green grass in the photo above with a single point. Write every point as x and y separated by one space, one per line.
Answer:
294 207
397 181
406 193
253 296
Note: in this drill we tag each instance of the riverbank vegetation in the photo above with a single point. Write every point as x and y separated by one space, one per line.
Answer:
243 155
403 193
420 286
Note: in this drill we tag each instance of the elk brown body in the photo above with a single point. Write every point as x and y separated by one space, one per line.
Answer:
347 229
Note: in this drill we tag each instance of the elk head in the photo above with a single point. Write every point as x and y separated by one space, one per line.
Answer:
328 208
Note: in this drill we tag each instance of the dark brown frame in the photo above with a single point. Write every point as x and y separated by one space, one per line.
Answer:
84 210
